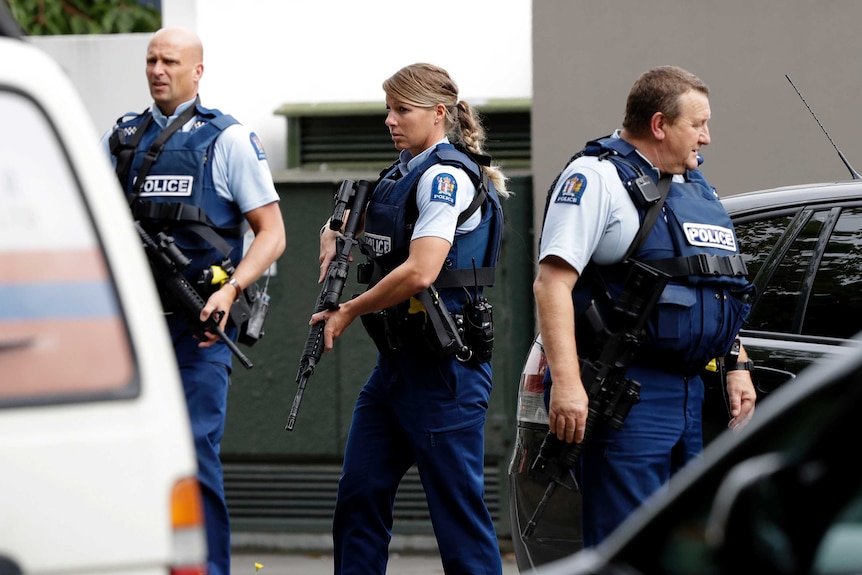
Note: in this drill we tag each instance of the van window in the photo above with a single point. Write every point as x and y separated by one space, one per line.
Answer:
62 333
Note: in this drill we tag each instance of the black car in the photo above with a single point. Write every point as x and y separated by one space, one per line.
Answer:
784 496
803 248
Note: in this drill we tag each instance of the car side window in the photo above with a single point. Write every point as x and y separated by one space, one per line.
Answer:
795 298
836 286
757 240
62 334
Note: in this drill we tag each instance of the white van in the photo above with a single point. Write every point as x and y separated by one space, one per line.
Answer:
97 465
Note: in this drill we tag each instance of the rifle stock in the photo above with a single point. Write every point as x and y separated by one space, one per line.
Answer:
167 263
354 197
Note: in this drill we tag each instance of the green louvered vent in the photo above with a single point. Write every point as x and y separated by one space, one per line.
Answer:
334 137
508 136
301 498
344 141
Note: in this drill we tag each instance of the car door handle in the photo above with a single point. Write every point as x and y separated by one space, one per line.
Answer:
768 379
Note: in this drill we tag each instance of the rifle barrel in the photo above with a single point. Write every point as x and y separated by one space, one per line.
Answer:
297 399
243 358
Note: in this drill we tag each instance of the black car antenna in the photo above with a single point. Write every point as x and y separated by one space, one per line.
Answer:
853 172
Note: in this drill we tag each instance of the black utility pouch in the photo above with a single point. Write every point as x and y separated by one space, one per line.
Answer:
479 328
363 273
257 305
383 328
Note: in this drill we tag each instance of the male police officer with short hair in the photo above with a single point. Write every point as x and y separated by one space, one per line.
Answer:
595 210
203 178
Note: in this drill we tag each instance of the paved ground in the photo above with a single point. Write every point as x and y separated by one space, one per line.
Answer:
321 564
306 554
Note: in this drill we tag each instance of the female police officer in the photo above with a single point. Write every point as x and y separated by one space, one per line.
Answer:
426 400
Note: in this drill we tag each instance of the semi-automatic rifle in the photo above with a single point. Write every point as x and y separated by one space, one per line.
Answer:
351 198
611 393
167 263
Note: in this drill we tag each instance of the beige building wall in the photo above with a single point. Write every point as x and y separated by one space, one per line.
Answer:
587 54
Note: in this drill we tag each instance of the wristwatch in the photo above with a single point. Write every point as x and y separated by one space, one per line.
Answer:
236 287
746 365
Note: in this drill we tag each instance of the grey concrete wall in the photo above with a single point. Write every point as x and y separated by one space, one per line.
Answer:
108 71
587 54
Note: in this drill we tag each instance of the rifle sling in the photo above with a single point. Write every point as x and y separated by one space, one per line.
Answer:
158 145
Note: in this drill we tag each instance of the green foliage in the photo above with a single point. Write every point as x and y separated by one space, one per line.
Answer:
49 17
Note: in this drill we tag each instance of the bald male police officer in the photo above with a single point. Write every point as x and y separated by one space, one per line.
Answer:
595 210
205 179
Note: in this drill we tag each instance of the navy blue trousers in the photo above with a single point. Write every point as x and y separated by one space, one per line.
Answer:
416 409
619 470
206 376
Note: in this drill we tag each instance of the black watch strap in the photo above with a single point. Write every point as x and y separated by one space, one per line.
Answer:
746 365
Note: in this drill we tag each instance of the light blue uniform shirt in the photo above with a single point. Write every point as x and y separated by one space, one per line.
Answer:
437 218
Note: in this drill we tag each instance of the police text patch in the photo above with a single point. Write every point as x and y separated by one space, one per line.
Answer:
167 186
258 146
379 244
443 188
710 236
572 190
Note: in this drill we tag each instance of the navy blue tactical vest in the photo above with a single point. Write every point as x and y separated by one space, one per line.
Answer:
704 304
391 215
178 195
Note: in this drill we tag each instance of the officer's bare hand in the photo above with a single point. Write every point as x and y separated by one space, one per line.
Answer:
328 247
569 407
336 322
220 303
742 396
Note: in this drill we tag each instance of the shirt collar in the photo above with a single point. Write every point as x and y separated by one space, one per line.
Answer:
406 162
676 177
163 120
